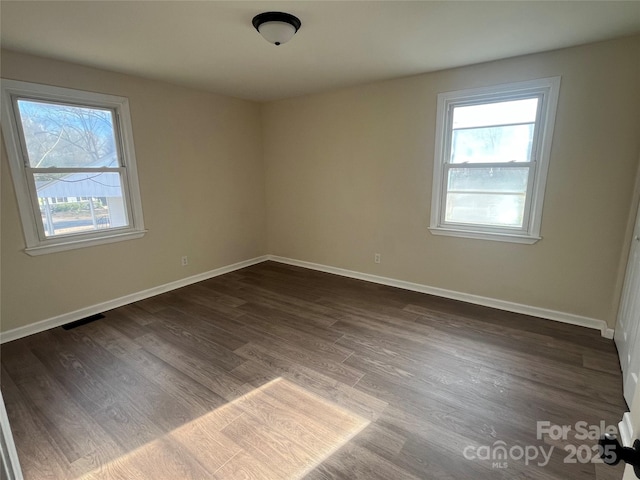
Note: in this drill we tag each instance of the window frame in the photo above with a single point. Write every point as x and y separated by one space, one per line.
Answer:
547 89
23 175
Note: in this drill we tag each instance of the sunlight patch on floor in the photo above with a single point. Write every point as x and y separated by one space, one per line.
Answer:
277 431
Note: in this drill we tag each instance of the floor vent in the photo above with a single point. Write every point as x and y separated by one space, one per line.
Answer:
83 321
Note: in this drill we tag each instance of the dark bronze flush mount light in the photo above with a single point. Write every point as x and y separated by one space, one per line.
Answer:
276 27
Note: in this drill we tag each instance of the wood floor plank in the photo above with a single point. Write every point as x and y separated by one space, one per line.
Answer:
273 449
206 296
362 464
223 327
339 371
120 321
132 387
283 303
296 337
279 372
201 299
202 329
244 466
381 440
526 323
174 328
197 398
39 456
215 378
118 469
254 374
455 321
166 459
67 424
602 363
344 395
272 313
203 439
63 364
314 406
136 313
534 368
316 437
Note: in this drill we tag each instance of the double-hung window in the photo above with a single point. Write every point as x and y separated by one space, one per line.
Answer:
491 160
73 166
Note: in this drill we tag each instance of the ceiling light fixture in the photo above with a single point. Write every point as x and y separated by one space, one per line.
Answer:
276 27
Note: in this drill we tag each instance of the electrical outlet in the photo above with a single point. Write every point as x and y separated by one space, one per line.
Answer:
377 258
184 261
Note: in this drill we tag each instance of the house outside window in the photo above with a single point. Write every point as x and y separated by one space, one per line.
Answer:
491 160
73 166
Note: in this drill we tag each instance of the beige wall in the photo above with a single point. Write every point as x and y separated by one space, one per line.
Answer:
202 182
349 174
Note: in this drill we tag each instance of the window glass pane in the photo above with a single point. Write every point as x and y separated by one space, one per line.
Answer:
104 208
493 209
498 113
488 180
59 135
492 144
487 196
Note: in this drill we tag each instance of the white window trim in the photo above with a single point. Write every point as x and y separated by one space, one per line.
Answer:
549 89
35 243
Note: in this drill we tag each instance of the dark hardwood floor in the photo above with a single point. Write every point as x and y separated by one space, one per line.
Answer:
277 372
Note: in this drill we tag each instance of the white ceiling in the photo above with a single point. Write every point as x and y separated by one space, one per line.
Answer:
211 45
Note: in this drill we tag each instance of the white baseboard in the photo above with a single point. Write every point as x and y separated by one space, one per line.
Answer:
65 318
625 428
563 317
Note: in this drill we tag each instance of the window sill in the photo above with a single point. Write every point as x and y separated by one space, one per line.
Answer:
84 242
497 237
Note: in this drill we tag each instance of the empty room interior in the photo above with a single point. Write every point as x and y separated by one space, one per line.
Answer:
320 239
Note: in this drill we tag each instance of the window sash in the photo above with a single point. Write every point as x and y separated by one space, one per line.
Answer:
31 172
117 131
499 125
486 227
